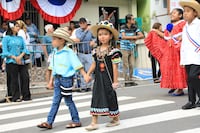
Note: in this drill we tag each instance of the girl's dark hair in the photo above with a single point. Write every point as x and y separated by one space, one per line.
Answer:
156 25
112 41
180 12
9 31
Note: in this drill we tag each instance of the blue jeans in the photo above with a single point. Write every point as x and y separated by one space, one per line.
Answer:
86 60
57 97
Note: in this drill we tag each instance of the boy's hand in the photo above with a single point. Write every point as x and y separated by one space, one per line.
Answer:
87 78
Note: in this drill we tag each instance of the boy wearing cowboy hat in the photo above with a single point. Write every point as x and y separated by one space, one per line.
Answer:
64 64
190 50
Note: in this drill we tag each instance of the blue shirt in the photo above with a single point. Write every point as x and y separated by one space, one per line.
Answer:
32 30
47 40
84 36
13 46
127 44
64 62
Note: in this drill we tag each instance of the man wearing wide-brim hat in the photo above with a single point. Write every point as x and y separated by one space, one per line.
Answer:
190 50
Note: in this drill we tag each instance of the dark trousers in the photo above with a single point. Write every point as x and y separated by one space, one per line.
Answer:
154 71
37 62
18 79
193 81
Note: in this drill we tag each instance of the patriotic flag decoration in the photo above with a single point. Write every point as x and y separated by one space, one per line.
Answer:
57 11
12 9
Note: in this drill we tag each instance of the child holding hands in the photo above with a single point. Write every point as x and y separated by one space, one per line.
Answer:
64 64
105 65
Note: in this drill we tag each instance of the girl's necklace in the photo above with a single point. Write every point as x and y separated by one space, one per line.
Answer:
102 53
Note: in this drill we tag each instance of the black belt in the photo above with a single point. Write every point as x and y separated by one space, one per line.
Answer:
58 76
84 52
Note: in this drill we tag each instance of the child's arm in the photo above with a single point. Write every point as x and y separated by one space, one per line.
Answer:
87 78
161 34
92 68
115 83
115 72
87 75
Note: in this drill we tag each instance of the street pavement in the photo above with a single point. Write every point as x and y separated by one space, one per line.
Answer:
144 109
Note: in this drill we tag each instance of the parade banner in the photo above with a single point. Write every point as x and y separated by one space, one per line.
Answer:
11 9
57 11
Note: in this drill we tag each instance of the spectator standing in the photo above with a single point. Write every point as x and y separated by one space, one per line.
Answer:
72 27
190 57
34 40
3 29
14 49
47 48
130 33
83 38
155 39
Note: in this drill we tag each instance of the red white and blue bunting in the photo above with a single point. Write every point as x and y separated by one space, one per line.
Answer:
57 11
54 11
11 9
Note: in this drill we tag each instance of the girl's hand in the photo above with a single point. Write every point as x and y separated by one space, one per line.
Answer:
18 60
115 85
87 78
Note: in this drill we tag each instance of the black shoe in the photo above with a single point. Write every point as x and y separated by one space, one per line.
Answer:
130 84
3 100
88 89
85 89
171 91
26 99
198 103
17 100
188 105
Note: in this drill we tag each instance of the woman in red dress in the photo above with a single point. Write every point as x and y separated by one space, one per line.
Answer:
168 55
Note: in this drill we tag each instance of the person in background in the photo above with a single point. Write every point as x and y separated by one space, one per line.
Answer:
105 65
3 29
24 34
173 74
34 40
72 27
155 40
14 49
47 41
129 34
189 55
83 38
64 64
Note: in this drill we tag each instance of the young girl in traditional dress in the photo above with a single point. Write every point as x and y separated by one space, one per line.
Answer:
173 75
105 65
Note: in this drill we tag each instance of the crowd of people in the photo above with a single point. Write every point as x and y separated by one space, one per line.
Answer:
92 51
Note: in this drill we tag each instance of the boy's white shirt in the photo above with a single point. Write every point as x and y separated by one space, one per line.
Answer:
187 51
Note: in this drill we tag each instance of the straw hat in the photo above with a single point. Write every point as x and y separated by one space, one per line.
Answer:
191 3
62 33
105 25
